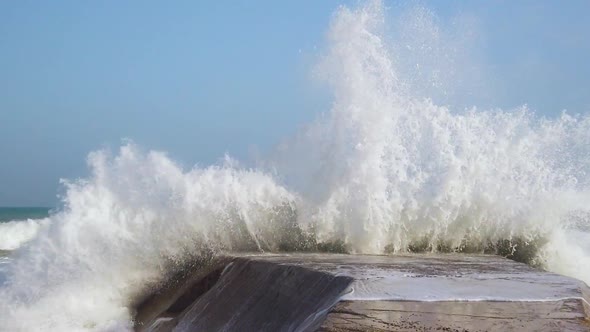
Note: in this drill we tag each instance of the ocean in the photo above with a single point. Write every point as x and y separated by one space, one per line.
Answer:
23 213
18 225
385 170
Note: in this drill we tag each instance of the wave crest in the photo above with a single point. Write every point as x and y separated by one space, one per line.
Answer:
14 234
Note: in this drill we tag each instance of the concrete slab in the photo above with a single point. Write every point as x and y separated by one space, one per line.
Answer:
438 277
299 292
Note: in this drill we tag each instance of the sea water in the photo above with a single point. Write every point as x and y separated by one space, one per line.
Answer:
20 224
384 170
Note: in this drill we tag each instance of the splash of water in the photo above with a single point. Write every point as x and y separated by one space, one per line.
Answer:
384 170
124 228
14 234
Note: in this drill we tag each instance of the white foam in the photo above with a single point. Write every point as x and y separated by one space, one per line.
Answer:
14 233
388 167
383 167
125 227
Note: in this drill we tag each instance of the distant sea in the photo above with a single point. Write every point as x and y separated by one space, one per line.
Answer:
23 213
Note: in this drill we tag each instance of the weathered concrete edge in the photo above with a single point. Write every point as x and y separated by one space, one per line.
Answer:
176 286
378 316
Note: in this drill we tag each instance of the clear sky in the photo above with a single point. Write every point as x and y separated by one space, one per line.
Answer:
198 79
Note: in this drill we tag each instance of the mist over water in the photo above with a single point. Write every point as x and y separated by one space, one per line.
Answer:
385 170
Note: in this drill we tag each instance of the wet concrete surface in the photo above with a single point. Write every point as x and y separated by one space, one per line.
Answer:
332 292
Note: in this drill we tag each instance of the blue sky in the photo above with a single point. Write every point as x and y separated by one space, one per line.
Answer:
200 79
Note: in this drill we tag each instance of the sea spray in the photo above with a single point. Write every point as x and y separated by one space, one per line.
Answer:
386 170
125 228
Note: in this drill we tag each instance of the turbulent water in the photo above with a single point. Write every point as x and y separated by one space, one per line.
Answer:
19 225
385 170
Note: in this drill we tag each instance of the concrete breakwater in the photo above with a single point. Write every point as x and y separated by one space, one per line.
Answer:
330 292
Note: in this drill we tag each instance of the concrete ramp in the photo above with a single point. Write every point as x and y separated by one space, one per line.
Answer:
253 295
329 292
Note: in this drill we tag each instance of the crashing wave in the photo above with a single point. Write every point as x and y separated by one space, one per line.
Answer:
384 171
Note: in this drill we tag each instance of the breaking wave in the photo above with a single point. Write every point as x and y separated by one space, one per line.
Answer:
15 233
386 170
